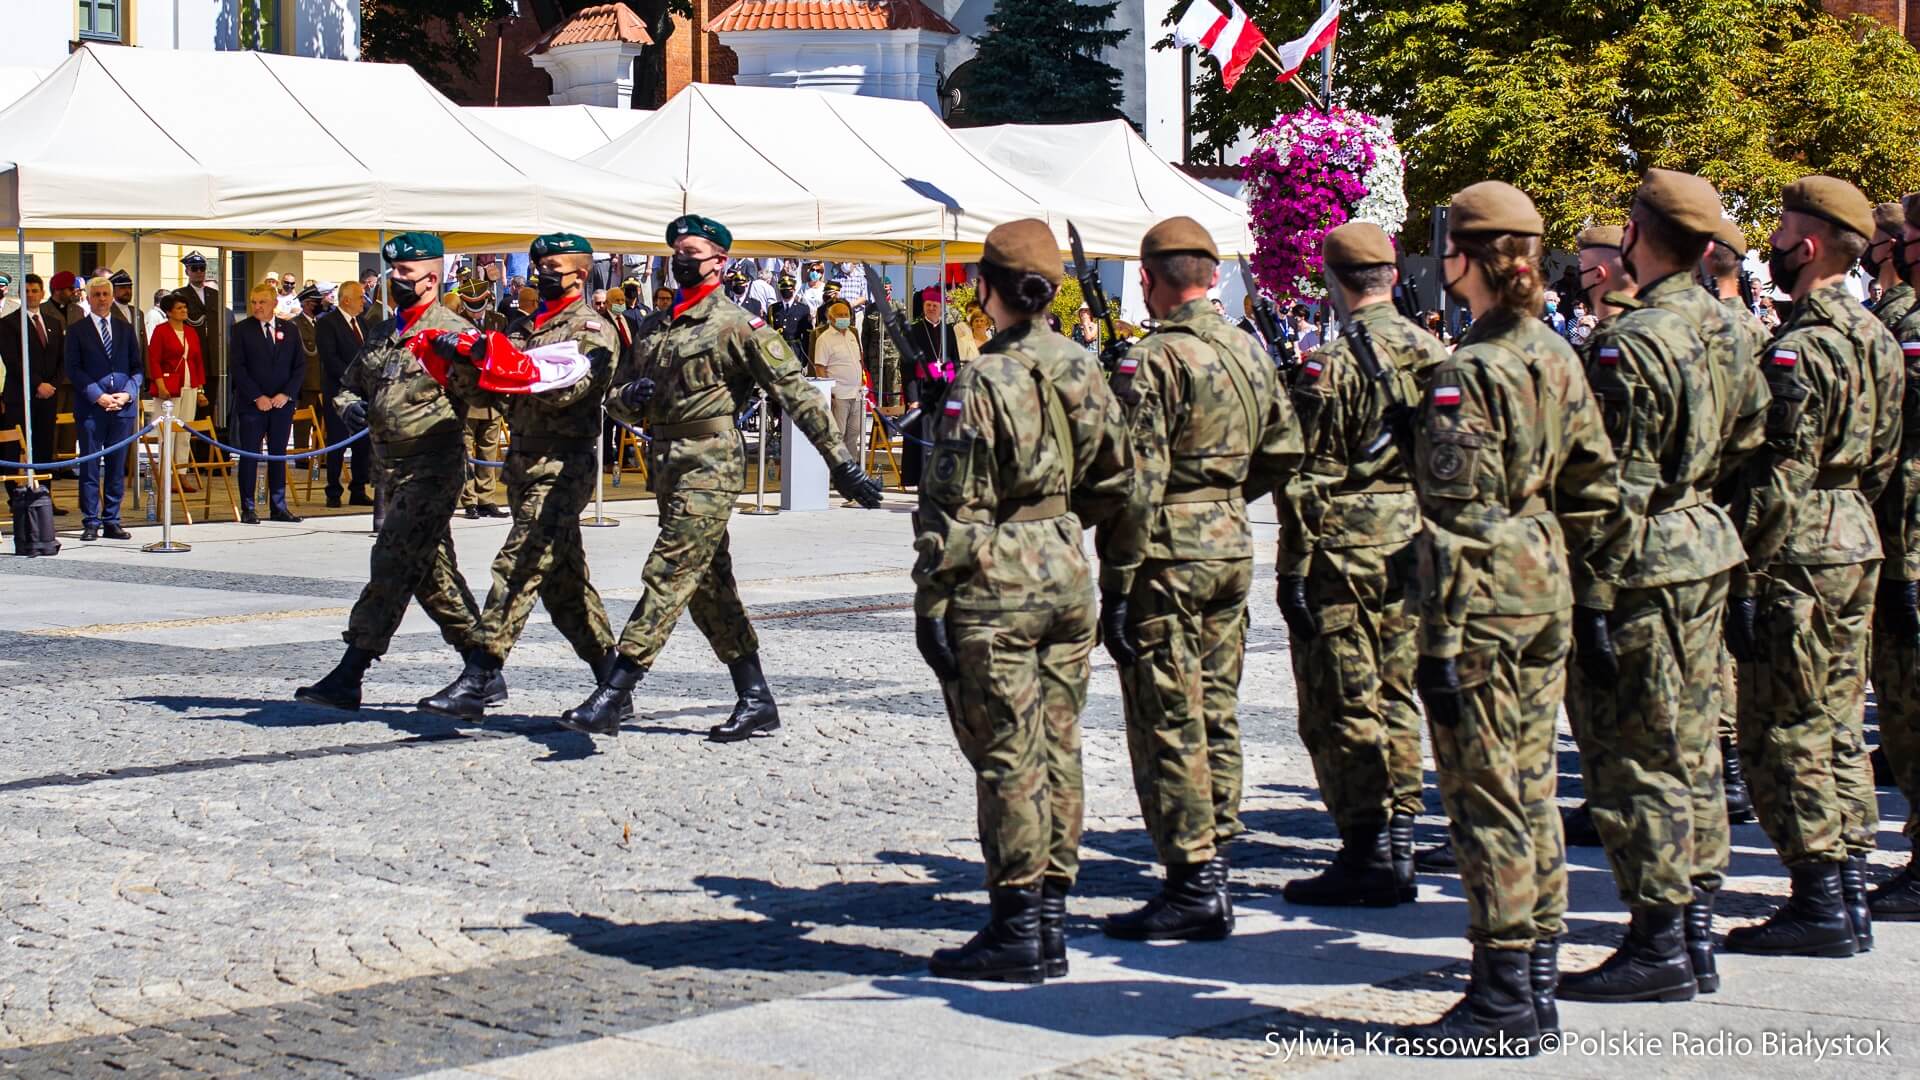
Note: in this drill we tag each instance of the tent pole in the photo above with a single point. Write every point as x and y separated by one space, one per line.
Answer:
944 321
26 368
140 409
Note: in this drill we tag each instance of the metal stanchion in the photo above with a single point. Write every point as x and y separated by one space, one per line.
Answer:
760 474
600 520
166 546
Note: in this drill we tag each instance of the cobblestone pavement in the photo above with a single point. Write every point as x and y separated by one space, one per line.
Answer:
208 879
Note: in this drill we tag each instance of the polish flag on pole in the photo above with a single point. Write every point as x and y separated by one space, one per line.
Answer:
1231 39
1294 53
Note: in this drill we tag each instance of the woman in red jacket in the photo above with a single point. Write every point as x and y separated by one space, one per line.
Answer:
176 372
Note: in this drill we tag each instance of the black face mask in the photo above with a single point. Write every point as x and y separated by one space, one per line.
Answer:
1870 264
1902 265
786 292
686 270
736 288
1449 283
552 284
1784 277
402 293
1587 287
1626 255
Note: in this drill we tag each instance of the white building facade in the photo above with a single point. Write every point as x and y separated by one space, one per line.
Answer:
40 33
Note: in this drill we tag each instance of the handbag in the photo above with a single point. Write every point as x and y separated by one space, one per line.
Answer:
33 522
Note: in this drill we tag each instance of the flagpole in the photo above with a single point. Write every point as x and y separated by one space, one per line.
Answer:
1294 80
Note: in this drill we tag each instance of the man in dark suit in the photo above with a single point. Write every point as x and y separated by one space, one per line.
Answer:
39 379
372 311
207 318
269 371
340 336
106 377
124 308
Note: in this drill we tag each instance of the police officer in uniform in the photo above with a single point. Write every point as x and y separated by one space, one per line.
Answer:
791 316
482 426
1513 472
1211 429
689 381
1347 524
392 387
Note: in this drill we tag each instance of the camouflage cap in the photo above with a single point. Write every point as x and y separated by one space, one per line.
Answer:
1832 200
1025 246
1729 235
559 243
1179 235
695 225
1493 206
1888 217
409 246
1687 201
1357 243
1600 236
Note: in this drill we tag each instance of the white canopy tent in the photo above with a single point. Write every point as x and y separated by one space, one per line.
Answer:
314 172
572 131
16 81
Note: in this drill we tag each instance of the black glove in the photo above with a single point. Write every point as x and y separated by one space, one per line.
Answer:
1301 625
930 635
636 394
1593 646
1901 602
1438 681
354 417
477 351
1742 638
1113 629
852 483
447 347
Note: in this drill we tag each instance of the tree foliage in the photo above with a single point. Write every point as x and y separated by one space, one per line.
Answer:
1040 62
440 38
1572 102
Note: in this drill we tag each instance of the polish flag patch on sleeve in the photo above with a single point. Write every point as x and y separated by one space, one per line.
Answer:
1911 349
1312 369
951 408
1786 358
1446 396
1607 356
756 321
1128 365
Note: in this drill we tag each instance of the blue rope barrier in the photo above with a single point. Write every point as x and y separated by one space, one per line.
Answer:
74 463
482 464
893 427
258 456
630 429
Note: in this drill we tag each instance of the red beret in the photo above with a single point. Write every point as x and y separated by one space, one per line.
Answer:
63 280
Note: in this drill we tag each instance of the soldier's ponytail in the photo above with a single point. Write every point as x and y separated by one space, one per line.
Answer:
1511 263
1025 292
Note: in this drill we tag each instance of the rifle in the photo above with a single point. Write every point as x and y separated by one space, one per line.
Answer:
1267 320
1096 299
912 358
1394 419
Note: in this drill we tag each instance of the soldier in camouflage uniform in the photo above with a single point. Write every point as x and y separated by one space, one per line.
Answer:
1347 523
1211 429
1798 623
1514 475
391 386
1649 601
482 425
1888 266
1030 446
1896 667
688 382
550 476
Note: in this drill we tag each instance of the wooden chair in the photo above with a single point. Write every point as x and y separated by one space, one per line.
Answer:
880 441
16 437
65 420
618 467
316 438
217 462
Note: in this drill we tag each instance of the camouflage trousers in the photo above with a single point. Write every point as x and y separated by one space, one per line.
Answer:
544 558
1015 711
1359 717
1182 701
483 437
413 555
690 569
1896 694
1498 774
1801 705
1649 744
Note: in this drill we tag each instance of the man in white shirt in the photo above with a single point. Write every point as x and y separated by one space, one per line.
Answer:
286 305
760 284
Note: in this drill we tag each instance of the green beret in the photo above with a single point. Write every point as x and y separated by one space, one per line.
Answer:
1832 200
559 243
410 246
695 225
1491 206
1689 202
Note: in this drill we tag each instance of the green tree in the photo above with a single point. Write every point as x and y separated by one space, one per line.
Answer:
1572 102
1040 63
439 38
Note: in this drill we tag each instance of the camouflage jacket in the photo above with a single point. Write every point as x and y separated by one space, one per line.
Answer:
1833 438
1344 496
993 531
404 403
1895 305
1514 470
1103 457
704 365
570 413
1211 429
1899 509
1740 392
1660 390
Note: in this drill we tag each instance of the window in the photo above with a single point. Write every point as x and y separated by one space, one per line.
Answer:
260 25
100 20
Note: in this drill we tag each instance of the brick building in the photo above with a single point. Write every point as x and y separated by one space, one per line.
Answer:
1902 15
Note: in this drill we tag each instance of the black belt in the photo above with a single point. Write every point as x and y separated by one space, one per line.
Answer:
424 444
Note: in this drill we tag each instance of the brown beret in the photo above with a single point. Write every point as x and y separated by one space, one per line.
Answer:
1888 217
1178 235
1832 200
1912 205
1600 236
1492 206
1026 246
1688 201
1731 235
1357 243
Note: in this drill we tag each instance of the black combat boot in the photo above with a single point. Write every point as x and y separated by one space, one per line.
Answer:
1438 859
1898 898
1496 1017
1543 978
1400 848
1853 892
1053 927
1813 921
1882 768
466 698
755 712
340 688
1007 950
1579 827
1650 965
610 702
1699 915
1739 797
1221 875
600 672
1188 908
1361 874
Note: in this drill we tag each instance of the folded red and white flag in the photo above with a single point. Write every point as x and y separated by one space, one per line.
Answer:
1231 39
1294 53
503 367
